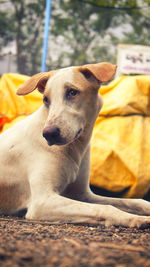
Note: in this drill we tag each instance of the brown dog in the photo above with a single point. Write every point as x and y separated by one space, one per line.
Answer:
45 159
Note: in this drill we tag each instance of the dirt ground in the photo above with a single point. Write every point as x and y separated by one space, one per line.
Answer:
24 243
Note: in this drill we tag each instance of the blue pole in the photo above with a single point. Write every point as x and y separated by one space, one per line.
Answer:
46 33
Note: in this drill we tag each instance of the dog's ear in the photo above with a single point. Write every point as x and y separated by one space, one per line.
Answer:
38 81
103 72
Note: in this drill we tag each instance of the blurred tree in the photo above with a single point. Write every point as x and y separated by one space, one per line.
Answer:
23 22
82 31
140 22
91 29
126 4
82 27
6 28
28 19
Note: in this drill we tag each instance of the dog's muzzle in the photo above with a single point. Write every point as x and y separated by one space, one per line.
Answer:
53 136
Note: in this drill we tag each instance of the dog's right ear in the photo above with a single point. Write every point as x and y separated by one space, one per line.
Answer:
38 81
103 71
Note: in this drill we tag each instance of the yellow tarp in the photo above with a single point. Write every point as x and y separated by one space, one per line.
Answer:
121 137
13 107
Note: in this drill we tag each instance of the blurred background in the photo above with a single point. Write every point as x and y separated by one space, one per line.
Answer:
80 32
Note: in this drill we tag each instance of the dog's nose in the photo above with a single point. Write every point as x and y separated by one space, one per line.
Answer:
52 135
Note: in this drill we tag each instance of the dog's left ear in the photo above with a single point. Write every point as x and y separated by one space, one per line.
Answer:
38 81
103 72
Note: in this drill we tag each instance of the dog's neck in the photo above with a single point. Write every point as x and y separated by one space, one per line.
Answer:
77 149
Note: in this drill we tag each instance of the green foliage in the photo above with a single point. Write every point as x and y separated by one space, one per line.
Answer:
139 19
80 25
7 28
122 4
23 22
83 31
90 32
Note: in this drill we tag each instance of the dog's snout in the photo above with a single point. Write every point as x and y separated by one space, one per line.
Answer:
49 132
53 136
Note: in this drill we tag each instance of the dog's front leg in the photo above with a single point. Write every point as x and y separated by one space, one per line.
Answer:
80 191
58 209
45 204
136 206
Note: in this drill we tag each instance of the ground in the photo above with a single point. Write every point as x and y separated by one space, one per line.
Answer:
24 243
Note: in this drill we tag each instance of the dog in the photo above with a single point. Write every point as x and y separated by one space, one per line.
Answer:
45 159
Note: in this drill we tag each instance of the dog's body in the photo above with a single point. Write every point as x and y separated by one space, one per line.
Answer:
51 179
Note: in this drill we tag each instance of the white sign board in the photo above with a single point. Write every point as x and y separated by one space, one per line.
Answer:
133 59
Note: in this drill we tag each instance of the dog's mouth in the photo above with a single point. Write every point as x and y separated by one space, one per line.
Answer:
57 142
78 133
54 137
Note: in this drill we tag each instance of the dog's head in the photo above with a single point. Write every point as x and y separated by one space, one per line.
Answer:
71 99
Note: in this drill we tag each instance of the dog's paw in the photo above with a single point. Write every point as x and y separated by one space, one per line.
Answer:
129 220
141 222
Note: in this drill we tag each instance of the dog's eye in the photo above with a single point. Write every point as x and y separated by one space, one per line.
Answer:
46 101
71 93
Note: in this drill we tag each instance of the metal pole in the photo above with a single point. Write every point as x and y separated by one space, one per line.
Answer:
46 33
